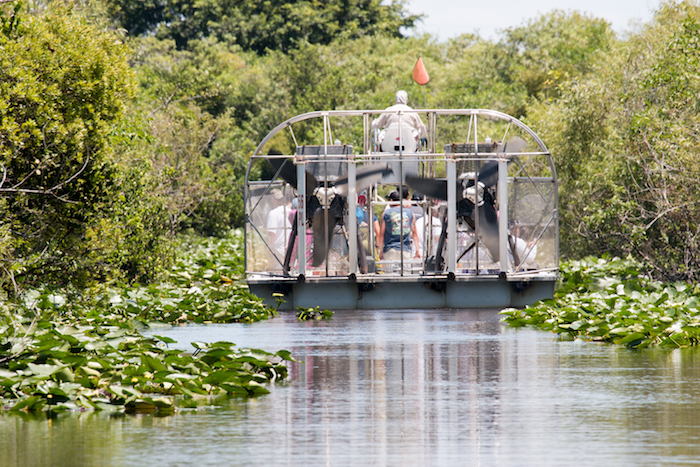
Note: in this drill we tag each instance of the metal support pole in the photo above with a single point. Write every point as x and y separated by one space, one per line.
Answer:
503 212
451 168
477 208
301 218
352 217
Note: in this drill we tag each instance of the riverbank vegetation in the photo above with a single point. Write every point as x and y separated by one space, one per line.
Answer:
612 300
99 348
120 128
126 125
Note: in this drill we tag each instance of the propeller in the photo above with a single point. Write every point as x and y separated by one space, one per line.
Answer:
287 171
470 195
365 176
325 202
437 189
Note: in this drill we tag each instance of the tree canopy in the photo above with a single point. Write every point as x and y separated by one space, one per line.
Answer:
626 139
63 84
113 142
260 26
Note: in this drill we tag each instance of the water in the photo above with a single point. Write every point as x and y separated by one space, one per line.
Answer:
399 388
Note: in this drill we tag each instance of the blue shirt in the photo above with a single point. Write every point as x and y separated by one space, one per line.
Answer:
363 216
396 230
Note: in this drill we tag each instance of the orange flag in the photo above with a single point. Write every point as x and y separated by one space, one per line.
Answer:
420 74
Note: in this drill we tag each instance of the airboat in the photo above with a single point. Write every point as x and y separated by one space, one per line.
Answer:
483 197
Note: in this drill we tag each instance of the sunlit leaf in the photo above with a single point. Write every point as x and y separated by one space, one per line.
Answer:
165 339
26 403
44 369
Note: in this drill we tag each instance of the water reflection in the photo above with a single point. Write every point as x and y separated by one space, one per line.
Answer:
405 388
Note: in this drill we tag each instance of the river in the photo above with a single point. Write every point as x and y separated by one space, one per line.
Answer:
403 388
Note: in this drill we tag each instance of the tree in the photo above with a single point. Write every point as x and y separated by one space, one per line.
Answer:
625 141
552 49
663 140
63 84
195 149
260 26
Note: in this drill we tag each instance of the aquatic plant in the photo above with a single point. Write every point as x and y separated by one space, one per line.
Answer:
306 314
69 350
611 300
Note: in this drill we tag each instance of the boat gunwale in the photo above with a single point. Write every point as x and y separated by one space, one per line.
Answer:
540 276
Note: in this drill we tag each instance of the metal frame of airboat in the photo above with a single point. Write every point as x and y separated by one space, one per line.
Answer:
449 288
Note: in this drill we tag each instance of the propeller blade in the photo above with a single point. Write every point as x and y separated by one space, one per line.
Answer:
513 145
436 189
320 253
364 177
488 229
288 172
290 244
285 169
488 175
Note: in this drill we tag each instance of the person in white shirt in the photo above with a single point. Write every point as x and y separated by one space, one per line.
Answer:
278 229
423 225
412 119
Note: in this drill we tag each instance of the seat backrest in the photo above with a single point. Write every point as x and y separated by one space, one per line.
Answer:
399 139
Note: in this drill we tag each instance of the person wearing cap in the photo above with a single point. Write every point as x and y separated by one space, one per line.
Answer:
394 196
409 118
278 228
397 228
416 205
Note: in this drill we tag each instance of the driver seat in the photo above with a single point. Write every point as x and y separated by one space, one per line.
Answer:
399 139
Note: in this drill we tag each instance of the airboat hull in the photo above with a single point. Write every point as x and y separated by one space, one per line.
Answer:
409 293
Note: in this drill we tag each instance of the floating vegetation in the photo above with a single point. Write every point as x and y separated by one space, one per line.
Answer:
611 300
305 314
67 350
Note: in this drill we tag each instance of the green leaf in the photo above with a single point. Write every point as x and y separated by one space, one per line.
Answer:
44 369
26 403
286 355
631 338
165 339
217 377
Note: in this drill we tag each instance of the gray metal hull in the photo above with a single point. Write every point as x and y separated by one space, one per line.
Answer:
411 293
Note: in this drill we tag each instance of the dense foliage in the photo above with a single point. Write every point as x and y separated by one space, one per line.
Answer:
611 300
262 26
63 191
113 142
626 139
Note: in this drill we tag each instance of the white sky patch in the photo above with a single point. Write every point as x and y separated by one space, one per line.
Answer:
450 18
